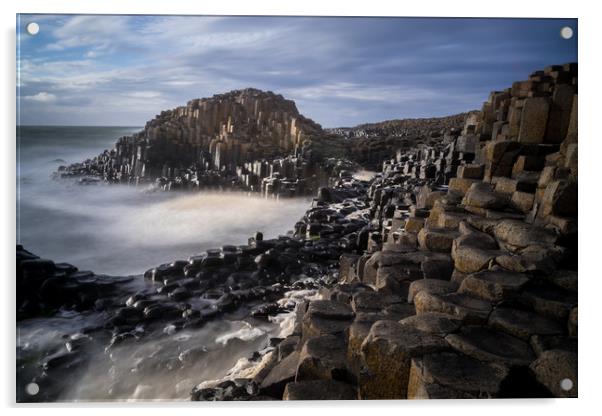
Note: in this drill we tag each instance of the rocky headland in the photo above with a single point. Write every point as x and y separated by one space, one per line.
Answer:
451 274
248 140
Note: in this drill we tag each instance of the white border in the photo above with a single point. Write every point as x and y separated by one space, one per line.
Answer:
590 73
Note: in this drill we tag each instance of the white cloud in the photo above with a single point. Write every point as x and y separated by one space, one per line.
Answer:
41 97
144 94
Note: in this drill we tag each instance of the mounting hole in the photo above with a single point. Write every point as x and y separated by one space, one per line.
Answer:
32 389
566 32
32 28
566 384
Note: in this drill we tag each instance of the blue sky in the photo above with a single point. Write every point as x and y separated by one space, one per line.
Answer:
122 70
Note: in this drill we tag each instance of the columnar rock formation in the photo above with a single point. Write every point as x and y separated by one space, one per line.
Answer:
240 138
372 143
457 265
247 139
463 284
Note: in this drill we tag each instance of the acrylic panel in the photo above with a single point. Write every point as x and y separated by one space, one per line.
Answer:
295 208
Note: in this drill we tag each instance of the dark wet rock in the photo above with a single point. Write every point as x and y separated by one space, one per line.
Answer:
265 310
319 390
542 343
523 324
229 390
556 369
492 346
448 375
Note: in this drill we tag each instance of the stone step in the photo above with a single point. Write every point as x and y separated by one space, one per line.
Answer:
484 344
433 323
326 317
549 300
493 286
433 286
468 309
470 259
523 324
482 195
449 375
436 239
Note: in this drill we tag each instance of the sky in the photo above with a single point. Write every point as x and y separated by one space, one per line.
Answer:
122 70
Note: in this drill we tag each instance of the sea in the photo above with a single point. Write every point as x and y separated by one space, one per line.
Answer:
123 230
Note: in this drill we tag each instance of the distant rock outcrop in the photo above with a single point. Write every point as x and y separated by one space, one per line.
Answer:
375 142
240 137
252 140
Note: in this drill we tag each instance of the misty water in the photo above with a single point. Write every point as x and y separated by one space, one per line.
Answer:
122 230
119 229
